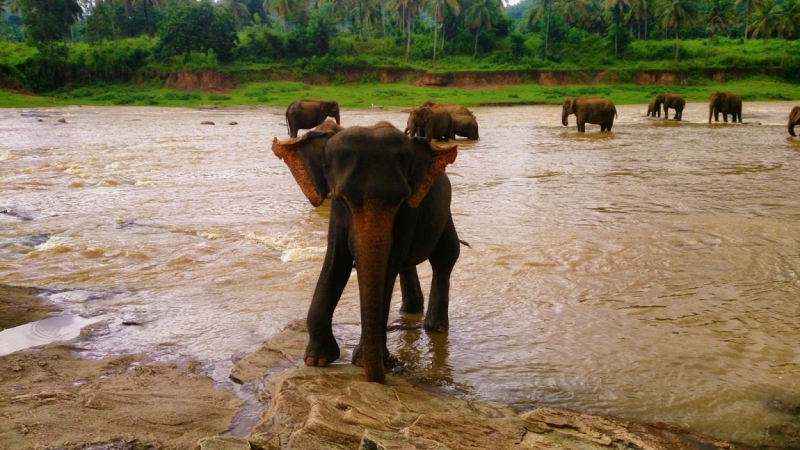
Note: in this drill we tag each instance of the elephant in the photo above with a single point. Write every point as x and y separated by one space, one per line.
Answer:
306 114
794 119
725 103
390 211
673 101
652 110
432 122
466 126
454 110
599 111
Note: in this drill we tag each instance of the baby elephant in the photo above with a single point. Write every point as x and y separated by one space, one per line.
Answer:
599 111
673 101
794 119
652 110
466 126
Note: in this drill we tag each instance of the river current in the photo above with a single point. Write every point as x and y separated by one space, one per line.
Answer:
649 273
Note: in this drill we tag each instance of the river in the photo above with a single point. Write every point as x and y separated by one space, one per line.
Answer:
649 273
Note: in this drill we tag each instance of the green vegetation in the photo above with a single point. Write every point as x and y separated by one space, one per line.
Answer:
122 51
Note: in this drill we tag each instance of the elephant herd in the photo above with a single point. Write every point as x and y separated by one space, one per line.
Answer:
390 208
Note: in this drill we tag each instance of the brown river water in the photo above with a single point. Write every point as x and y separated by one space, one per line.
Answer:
649 273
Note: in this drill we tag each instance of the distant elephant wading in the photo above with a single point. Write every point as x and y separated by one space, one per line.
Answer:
389 211
454 110
652 110
725 103
466 126
432 122
673 101
794 119
307 114
598 111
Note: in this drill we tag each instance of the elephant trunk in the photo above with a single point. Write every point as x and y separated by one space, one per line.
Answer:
710 112
564 118
372 231
338 122
792 123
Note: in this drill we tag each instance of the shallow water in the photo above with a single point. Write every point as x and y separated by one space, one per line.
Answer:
649 273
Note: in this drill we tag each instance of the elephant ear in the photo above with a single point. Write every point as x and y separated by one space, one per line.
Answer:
304 158
572 104
429 162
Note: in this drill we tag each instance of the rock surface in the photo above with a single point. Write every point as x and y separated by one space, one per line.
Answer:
335 408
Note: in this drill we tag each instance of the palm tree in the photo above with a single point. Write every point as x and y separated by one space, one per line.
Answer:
437 15
479 15
130 5
239 10
750 5
574 12
640 11
281 8
677 14
543 9
617 8
788 23
765 21
719 14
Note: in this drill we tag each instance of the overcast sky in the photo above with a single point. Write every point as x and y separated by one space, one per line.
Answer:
514 2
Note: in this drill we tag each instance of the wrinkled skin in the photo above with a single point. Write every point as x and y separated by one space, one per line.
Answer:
466 126
794 119
598 111
725 103
307 114
390 210
432 122
673 101
652 110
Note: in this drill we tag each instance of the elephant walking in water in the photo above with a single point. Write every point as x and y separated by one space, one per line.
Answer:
794 119
307 114
390 210
432 122
598 111
725 103
464 121
652 110
673 101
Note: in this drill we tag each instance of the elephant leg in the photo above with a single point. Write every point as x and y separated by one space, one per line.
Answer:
413 301
358 352
293 130
322 348
581 127
442 260
725 117
608 127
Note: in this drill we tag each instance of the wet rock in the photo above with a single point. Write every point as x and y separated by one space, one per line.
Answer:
21 305
234 123
783 407
223 443
62 120
334 407
206 122
781 436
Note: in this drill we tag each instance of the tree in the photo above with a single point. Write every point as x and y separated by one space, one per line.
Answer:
543 9
239 9
788 23
677 14
765 21
750 5
437 15
48 21
617 8
575 12
481 14
130 5
640 11
197 26
719 14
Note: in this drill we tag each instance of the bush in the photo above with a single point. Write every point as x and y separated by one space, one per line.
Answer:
199 27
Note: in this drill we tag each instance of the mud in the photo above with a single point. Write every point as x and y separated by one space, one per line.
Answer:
20 305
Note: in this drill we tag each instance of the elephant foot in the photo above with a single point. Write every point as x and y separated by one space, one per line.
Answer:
412 308
358 357
321 353
437 325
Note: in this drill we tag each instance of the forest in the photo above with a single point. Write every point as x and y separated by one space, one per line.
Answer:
48 45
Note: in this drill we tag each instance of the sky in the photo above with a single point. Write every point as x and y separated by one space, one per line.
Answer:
514 2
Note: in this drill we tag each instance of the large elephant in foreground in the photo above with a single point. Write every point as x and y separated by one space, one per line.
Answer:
725 103
390 210
673 101
599 111
794 119
307 114
432 122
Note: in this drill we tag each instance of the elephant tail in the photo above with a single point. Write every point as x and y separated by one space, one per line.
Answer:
286 115
464 243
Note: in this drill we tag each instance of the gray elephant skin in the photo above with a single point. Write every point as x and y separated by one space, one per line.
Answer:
390 210
307 114
671 101
794 119
432 122
598 111
466 126
725 103
652 110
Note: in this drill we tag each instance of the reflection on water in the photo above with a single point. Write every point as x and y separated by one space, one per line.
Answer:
47 331
650 272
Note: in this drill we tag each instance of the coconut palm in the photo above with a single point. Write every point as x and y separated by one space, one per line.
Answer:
640 11
130 5
677 14
239 10
719 14
281 8
764 22
542 11
788 23
437 15
481 14
617 8
574 12
750 5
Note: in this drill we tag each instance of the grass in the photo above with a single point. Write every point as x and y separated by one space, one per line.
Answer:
365 95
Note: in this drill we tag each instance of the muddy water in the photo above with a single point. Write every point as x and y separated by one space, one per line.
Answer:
650 273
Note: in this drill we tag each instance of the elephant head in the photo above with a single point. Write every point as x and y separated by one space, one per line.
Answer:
371 173
417 119
428 102
329 109
567 108
660 99
794 119
715 100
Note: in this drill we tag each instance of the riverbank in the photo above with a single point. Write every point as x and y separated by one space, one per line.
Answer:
489 89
